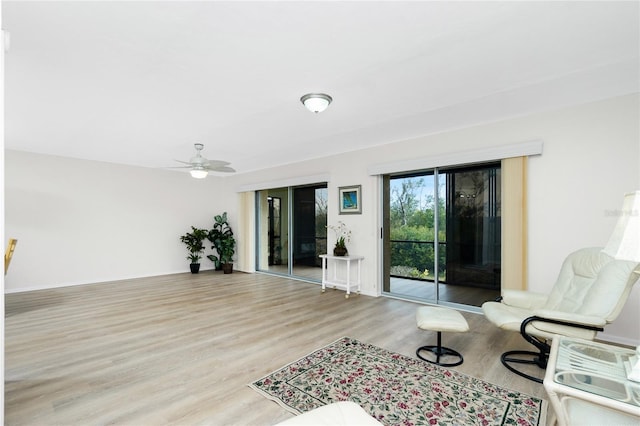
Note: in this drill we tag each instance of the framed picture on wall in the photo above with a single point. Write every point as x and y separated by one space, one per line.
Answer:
350 199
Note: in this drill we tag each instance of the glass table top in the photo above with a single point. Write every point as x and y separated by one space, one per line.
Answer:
596 368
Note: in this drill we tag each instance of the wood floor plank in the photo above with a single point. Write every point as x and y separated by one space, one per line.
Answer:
181 349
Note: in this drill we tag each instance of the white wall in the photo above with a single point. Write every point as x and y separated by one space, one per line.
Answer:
80 221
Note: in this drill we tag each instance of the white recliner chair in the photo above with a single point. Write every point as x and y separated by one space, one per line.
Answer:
591 290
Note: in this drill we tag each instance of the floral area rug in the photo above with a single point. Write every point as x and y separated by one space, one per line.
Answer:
395 389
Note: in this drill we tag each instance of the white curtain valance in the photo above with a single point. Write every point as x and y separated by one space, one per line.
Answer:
480 155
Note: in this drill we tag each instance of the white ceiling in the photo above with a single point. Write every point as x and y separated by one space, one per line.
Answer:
139 82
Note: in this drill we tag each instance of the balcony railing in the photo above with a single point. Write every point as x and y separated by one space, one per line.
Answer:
415 259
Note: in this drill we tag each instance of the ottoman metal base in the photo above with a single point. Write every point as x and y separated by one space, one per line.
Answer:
440 351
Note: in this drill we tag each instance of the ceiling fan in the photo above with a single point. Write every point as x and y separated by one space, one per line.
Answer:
200 166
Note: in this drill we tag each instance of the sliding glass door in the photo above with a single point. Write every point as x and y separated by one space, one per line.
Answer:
292 230
273 244
442 235
412 244
309 231
473 226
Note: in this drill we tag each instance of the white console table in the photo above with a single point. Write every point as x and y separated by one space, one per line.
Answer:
340 282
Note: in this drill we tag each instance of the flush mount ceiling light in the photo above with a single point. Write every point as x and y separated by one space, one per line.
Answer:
316 102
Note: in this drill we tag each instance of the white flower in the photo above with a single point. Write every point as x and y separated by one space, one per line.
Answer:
343 235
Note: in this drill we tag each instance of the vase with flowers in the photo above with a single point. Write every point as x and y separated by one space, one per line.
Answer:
343 236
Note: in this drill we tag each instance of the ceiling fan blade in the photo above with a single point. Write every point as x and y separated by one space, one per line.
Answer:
224 169
212 164
183 162
178 167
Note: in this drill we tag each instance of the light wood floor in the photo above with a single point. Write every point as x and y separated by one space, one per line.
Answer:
181 349
403 288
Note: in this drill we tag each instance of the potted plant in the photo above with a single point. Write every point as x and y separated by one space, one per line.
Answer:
227 250
194 241
223 242
340 249
343 236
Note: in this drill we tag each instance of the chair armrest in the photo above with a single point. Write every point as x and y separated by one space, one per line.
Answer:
569 318
523 299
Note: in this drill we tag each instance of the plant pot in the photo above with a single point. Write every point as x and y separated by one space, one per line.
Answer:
227 268
195 268
340 251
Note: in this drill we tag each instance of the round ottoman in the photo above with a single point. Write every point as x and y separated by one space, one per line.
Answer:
438 318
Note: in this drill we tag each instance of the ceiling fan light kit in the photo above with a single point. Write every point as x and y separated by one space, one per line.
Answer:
316 102
198 173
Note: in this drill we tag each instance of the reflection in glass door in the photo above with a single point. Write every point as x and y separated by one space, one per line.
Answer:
292 230
473 226
275 230
309 230
273 244
458 225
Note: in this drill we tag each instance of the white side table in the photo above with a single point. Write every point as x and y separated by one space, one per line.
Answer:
587 384
339 282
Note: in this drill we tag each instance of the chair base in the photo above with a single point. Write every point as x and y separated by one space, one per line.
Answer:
532 358
440 351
